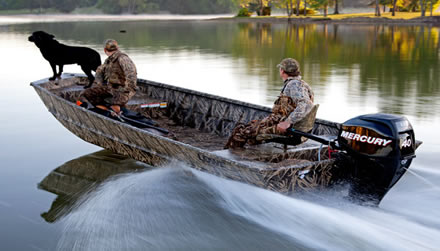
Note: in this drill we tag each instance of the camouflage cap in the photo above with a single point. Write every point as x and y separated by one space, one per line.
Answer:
289 65
111 45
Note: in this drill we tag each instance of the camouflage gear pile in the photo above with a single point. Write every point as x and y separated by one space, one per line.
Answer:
293 104
115 81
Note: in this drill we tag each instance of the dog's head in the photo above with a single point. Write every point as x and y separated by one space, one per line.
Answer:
40 38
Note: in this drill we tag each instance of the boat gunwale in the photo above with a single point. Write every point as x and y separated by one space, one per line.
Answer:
198 93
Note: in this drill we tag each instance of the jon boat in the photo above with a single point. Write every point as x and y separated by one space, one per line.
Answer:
371 152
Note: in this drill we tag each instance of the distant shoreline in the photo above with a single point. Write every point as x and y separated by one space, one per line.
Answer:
51 18
342 19
434 20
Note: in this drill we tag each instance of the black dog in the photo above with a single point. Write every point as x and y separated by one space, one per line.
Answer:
60 54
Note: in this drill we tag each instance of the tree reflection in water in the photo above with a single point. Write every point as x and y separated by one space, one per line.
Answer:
396 63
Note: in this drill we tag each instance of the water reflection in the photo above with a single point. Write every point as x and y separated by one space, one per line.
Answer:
394 68
396 61
78 177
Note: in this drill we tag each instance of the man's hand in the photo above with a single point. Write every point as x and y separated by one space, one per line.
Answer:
283 126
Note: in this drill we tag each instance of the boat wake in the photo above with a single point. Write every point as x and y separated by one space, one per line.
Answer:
179 208
343 226
416 197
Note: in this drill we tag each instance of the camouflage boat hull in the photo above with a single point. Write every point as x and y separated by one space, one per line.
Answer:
200 124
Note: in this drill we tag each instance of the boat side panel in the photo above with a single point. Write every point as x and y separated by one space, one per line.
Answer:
202 112
311 175
214 114
324 127
316 175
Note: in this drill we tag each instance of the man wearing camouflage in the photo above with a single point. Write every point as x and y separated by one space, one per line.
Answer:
293 105
115 80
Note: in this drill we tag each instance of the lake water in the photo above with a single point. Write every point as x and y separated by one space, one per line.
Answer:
59 192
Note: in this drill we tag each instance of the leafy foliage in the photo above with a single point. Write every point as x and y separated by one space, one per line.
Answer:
127 6
244 12
261 7
66 6
196 6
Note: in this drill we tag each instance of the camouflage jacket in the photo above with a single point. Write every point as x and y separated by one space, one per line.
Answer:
302 96
118 71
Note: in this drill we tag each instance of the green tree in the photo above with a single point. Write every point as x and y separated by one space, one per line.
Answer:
320 4
433 4
411 5
324 5
14 4
394 7
288 5
133 6
87 3
377 11
305 7
258 6
299 6
197 6
336 5
109 6
31 5
425 4
65 6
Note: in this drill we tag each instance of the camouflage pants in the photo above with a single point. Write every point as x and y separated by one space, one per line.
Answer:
107 94
243 134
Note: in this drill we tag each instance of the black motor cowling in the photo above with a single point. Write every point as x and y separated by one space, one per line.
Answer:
380 148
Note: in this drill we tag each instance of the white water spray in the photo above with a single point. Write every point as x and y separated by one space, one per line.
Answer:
180 208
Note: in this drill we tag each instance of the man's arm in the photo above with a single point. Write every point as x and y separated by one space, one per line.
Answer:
99 75
129 71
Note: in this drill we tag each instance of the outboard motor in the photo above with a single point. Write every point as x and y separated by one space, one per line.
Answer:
380 148
375 151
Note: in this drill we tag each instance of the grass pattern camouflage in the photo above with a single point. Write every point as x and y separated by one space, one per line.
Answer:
211 118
